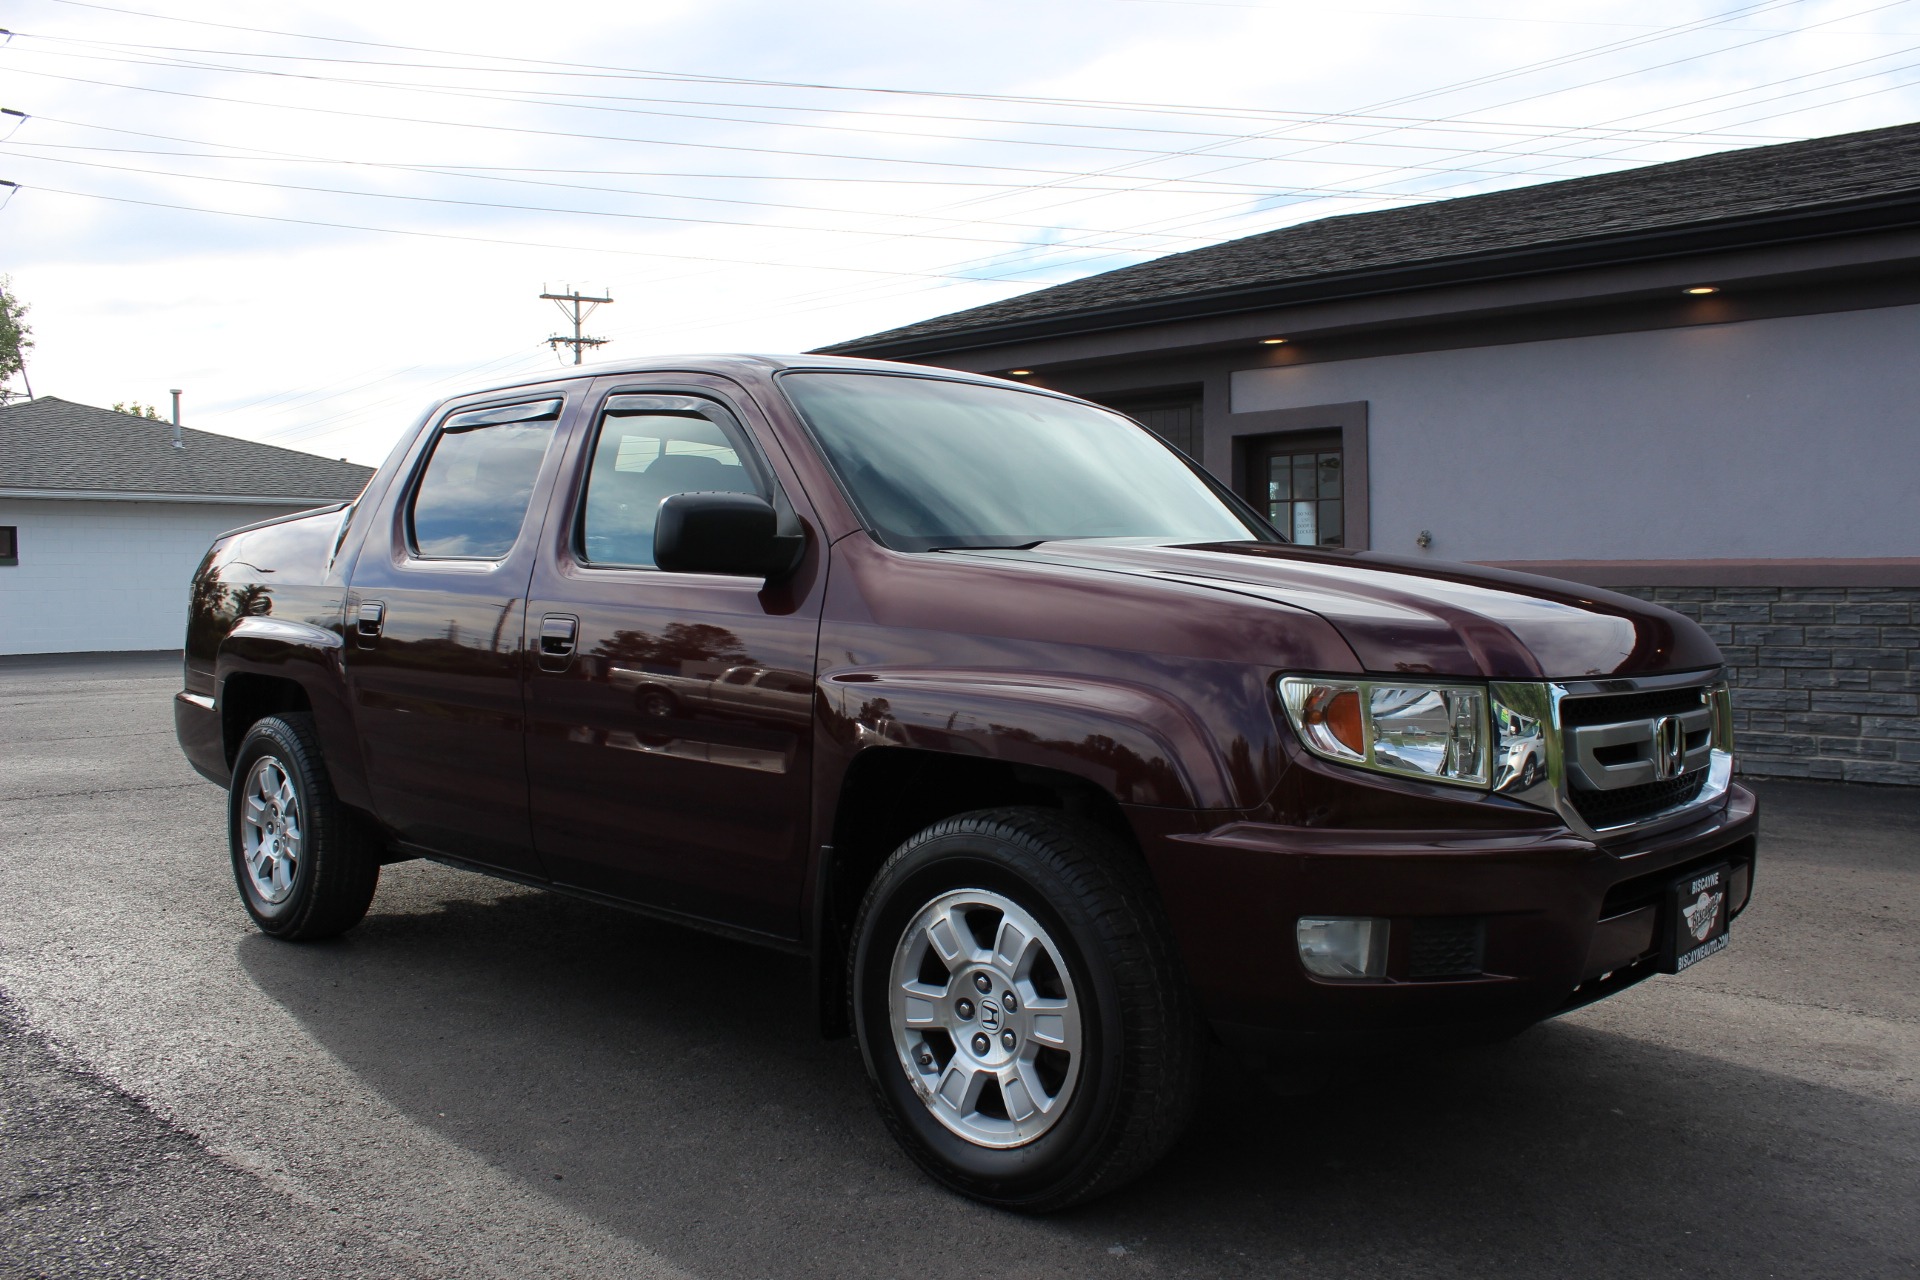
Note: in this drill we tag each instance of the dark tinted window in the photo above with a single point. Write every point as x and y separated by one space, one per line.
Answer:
473 496
646 453
9 544
933 464
1305 495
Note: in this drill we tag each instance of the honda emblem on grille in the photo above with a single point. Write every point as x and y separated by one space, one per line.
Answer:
1669 748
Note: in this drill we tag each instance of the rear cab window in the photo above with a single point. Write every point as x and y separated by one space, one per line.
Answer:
472 496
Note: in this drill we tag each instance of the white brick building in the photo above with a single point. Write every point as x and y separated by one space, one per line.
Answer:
103 519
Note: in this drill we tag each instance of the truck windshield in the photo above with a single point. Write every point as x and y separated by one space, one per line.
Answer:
937 465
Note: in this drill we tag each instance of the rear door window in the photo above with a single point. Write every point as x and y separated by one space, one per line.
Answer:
473 494
648 449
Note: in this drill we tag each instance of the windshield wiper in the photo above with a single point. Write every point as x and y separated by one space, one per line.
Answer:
992 546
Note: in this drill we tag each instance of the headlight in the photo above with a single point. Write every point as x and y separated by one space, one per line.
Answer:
1432 731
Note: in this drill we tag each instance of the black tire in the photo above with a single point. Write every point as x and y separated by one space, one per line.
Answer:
1141 1047
338 865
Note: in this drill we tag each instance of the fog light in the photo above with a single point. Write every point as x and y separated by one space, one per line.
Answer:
1343 946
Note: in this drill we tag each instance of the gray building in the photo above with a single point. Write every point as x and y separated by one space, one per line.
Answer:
1696 382
103 519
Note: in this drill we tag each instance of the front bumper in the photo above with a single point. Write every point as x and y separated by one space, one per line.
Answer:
1491 930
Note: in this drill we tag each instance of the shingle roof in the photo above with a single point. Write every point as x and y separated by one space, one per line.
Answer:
56 444
1819 174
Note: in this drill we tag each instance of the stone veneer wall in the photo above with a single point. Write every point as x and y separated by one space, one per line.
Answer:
1826 680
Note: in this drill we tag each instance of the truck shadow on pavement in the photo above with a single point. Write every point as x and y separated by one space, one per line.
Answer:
671 1085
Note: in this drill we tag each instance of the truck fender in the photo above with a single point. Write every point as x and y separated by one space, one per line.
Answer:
311 657
1138 744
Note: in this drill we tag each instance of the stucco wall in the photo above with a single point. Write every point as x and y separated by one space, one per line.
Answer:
106 575
1786 438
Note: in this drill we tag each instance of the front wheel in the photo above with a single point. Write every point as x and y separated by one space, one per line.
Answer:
1025 1029
303 861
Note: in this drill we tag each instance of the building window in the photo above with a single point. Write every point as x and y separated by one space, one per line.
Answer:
9 544
1305 470
1303 495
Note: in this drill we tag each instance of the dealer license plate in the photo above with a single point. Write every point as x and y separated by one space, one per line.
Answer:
1697 917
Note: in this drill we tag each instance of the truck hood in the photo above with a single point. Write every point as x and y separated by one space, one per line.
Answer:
1418 616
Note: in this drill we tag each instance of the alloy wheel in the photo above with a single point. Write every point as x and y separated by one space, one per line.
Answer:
272 835
985 1019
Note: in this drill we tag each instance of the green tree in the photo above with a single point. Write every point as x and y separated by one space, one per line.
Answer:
137 409
16 339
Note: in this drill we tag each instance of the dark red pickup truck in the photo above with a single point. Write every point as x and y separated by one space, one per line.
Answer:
1051 754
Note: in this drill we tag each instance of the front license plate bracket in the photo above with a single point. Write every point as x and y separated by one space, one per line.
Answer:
1696 918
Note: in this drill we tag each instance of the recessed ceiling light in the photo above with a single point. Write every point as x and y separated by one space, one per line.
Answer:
1019 373
1704 288
1271 342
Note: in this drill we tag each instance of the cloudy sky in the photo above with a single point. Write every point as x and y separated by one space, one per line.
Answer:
318 219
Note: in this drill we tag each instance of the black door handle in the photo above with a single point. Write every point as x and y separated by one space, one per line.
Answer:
557 634
372 617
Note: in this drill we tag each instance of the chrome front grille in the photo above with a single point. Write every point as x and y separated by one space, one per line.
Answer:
1606 708
1657 745
1614 755
1632 755
1606 809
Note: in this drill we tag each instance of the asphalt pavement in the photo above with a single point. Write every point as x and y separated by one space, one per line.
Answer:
486 1080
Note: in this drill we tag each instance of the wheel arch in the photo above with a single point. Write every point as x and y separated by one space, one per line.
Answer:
269 665
886 795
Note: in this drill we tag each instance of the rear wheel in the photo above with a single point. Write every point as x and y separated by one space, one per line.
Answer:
303 861
1026 1031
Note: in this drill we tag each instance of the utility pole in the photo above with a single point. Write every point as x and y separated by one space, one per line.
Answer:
570 304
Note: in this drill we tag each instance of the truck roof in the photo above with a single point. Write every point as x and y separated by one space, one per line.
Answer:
729 362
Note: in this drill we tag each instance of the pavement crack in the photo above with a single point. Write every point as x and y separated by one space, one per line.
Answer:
85 737
101 791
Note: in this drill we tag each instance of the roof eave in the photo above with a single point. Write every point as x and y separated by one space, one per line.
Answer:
1885 213
130 495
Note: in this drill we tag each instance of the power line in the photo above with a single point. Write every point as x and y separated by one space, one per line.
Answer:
495 240
1339 118
1740 11
1306 120
980 265
977 265
1171 181
519 208
567 186
569 133
460 169
1753 6
569 67
284 158
1727 16
460 373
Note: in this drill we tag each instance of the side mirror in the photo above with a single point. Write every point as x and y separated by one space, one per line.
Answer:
735 533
